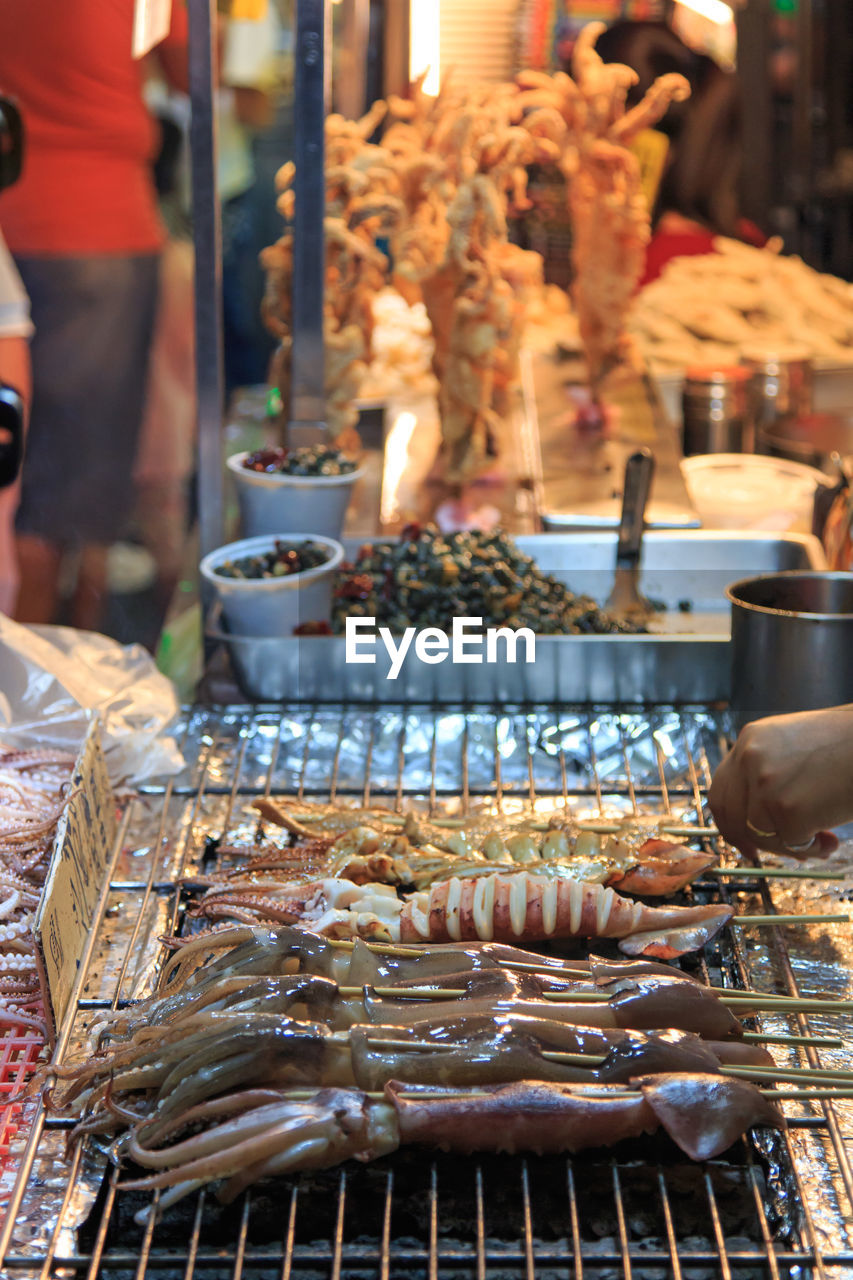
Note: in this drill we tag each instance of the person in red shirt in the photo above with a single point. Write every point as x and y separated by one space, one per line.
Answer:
698 196
83 228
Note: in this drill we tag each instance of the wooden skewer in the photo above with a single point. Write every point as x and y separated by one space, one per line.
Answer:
745 1000
791 1075
777 873
574 1059
555 971
576 997
762 995
379 948
817 1042
450 1092
428 1046
793 1095
595 825
416 1046
402 993
747 921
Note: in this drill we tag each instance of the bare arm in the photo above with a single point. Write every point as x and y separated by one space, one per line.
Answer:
15 367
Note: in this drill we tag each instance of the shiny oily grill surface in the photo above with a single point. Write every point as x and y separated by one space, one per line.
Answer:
776 1206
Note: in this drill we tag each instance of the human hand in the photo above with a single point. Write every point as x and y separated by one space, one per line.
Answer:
786 780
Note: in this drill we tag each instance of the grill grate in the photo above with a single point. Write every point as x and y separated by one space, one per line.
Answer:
644 1213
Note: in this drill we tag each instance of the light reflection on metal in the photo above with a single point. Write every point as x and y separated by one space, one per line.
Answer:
425 43
396 461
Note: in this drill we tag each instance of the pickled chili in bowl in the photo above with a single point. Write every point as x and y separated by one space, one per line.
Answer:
283 560
309 460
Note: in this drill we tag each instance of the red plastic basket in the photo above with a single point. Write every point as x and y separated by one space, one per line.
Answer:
20 1050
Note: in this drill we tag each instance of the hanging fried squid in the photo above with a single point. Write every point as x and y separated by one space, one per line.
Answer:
511 907
259 1134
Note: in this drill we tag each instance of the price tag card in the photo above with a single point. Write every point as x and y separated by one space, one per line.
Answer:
151 22
84 841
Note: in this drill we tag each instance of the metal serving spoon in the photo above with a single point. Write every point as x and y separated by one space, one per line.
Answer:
625 600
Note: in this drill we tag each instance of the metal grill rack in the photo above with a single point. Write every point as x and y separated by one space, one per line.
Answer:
776 1206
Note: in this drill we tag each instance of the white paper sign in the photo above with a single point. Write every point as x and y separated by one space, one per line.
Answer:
84 840
151 22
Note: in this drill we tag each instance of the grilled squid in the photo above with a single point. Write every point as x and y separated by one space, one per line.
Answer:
367 845
505 908
182 1065
253 973
250 1135
627 1004
290 948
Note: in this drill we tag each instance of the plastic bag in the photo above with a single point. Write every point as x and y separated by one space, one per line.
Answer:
54 679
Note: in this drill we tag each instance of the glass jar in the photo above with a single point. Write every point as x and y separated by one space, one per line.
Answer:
716 410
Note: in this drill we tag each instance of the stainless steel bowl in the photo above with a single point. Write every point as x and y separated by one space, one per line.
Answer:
792 643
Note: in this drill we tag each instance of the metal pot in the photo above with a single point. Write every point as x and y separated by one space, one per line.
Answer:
792 643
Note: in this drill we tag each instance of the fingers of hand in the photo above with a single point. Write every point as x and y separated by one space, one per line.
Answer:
728 803
818 846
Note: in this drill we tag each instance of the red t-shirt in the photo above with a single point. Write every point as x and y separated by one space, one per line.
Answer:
86 186
676 237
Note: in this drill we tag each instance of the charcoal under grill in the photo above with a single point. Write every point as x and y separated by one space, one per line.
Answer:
776 1206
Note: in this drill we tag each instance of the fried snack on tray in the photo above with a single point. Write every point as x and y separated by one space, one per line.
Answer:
407 849
708 307
512 906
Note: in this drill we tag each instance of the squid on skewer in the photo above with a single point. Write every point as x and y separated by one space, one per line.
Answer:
513 907
254 1136
187 1062
372 845
640 1002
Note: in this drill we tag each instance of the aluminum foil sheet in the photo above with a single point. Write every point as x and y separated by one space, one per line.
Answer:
505 760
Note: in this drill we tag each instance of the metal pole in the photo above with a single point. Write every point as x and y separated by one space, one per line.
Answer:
803 107
312 79
352 89
210 383
753 53
395 48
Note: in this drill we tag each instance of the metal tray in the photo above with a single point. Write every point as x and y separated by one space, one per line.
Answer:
686 659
